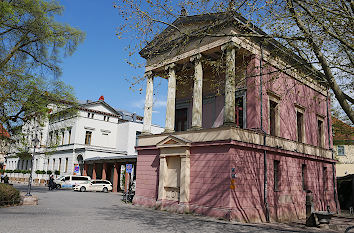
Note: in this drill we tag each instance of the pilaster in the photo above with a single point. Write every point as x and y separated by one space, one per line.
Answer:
162 174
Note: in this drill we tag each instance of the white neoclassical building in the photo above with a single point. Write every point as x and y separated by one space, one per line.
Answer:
97 141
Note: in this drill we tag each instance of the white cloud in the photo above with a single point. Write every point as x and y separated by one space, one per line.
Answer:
158 103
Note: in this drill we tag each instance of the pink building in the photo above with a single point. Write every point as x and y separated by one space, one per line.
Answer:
243 139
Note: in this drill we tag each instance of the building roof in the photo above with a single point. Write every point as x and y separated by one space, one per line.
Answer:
342 132
213 23
3 132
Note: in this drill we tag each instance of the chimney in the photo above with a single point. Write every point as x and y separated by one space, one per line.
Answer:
134 117
101 98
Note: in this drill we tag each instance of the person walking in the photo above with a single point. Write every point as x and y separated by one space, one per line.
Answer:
51 182
6 179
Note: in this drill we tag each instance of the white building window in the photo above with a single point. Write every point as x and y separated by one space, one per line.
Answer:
88 136
340 150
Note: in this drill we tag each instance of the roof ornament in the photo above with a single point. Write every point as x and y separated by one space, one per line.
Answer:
183 11
101 98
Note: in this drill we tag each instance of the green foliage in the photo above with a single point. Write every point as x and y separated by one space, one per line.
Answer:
9 195
32 44
56 172
49 172
40 172
9 171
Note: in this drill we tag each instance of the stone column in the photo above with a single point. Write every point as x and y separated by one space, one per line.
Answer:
185 178
171 99
84 172
104 171
116 169
94 172
229 110
162 174
148 102
197 111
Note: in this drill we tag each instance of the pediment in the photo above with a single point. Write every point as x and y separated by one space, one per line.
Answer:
173 141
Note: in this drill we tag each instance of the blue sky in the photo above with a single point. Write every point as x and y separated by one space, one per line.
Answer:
98 66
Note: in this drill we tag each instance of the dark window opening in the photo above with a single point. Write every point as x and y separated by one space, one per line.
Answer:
276 175
88 137
300 123
239 112
320 132
272 117
181 119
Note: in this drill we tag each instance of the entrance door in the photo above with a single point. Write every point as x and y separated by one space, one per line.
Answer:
181 119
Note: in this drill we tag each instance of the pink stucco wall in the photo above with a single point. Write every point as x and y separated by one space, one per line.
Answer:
211 192
291 92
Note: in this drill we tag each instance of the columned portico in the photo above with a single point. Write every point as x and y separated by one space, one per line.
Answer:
148 102
94 172
197 92
171 99
104 171
229 110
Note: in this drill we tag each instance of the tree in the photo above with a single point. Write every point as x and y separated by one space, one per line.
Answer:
319 31
31 46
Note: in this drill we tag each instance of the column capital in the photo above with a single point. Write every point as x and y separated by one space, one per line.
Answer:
196 57
229 45
148 74
170 66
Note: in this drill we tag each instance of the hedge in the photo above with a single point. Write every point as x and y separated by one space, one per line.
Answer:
40 172
9 195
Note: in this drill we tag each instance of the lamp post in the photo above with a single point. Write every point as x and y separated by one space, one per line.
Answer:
35 141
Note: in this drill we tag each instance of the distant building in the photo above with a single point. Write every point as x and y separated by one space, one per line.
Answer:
232 127
97 141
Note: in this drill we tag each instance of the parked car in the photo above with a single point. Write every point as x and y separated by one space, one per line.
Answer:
71 181
95 185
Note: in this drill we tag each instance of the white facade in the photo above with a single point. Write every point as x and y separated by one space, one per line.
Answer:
96 131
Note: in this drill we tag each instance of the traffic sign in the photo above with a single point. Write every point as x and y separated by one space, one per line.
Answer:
129 168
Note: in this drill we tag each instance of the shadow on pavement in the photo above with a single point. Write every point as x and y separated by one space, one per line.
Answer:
158 220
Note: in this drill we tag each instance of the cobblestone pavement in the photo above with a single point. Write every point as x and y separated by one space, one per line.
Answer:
69 211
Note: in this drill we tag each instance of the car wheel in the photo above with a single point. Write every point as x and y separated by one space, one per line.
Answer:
105 190
58 186
82 189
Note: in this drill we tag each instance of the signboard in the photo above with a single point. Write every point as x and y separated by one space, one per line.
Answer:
76 169
129 168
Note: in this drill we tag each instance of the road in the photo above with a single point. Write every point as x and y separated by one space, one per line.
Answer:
69 211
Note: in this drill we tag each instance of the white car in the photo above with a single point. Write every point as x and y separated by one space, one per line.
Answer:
70 181
95 185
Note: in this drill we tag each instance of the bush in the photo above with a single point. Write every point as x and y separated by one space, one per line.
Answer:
57 172
40 172
9 171
9 195
49 172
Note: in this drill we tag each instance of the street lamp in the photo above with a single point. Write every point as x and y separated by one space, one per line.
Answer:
35 141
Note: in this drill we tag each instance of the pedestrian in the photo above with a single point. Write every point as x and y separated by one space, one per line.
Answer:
2 178
6 179
51 182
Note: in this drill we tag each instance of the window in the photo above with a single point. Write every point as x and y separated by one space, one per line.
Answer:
303 176
36 166
66 164
88 137
50 137
300 126
62 137
59 164
276 175
239 112
181 119
340 150
79 178
48 165
273 106
56 137
53 167
69 139
325 178
320 132
67 177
